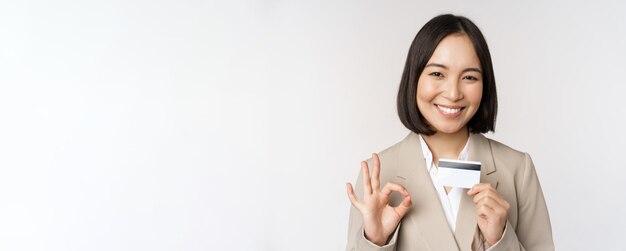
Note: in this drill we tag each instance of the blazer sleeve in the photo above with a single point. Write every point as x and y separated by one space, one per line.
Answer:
356 234
533 231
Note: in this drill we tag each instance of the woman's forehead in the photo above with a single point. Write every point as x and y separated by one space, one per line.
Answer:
455 51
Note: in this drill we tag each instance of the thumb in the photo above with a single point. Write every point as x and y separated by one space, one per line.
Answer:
404 206
472 191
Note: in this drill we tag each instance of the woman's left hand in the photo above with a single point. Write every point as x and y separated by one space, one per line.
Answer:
491 211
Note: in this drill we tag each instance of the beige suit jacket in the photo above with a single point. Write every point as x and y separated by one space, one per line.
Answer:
425 228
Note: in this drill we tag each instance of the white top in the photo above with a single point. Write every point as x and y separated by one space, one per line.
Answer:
449 202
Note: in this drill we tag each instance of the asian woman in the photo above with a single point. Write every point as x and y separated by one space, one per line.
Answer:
447 99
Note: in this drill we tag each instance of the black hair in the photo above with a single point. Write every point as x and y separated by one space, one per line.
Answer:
421 50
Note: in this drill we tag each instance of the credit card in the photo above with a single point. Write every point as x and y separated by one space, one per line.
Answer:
458 173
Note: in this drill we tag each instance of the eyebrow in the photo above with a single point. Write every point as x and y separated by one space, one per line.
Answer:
445 67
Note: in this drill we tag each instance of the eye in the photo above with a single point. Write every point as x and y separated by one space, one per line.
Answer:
436 74
472 78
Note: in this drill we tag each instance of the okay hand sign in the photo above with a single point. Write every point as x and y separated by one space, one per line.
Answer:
379 218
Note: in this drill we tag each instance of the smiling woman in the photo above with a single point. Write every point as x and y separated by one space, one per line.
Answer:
450 85
447 98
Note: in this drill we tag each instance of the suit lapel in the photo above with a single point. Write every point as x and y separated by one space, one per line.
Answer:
480 150
427 215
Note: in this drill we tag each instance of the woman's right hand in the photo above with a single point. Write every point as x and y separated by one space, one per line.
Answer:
379 218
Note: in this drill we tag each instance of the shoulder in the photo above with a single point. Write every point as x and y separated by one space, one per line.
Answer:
508 159
399 155
499 149
409 144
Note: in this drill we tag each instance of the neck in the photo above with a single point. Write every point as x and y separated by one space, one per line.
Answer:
447 145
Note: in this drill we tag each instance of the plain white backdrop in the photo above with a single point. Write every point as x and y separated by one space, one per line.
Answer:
234 125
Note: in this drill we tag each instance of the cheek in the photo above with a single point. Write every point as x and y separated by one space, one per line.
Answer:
474 94
425 91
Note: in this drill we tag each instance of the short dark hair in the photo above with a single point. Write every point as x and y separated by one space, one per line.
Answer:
421 50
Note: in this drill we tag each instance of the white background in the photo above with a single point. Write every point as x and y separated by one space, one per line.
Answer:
234 125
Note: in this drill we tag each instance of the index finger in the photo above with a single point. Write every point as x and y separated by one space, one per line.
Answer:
479 188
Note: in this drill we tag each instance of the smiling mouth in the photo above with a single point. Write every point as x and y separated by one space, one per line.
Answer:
449 110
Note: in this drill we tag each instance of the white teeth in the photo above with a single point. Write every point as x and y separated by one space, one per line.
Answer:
448 110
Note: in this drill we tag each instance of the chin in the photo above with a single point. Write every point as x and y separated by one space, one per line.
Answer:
449 130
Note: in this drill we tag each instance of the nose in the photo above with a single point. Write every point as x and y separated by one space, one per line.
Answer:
452 91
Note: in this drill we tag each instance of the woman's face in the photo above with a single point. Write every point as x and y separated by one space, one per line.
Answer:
450 88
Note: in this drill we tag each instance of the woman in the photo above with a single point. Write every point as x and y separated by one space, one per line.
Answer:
447 98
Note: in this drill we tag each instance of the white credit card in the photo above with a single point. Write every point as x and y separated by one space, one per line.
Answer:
458 173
